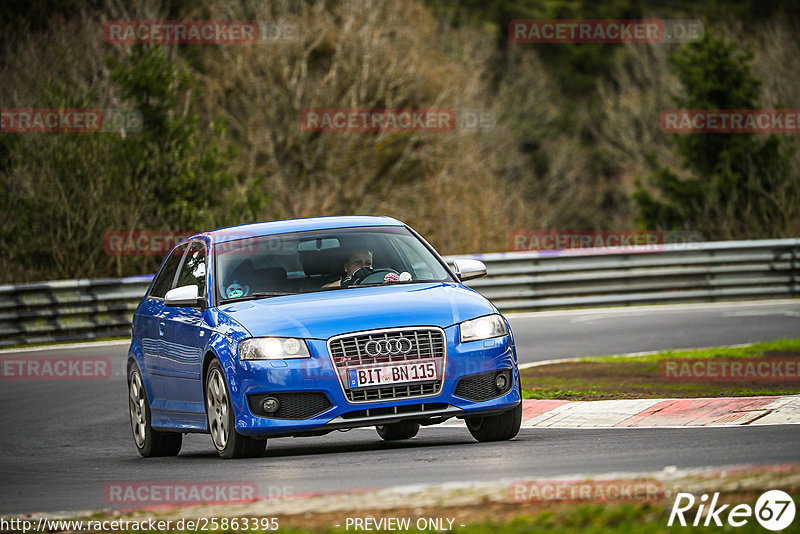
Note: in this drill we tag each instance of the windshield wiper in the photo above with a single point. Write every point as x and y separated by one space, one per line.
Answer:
376 284
258 295
379 284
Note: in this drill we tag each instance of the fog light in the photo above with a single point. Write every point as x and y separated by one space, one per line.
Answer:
270 405
501 381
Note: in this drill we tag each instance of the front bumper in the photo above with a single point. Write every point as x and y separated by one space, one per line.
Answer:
316 374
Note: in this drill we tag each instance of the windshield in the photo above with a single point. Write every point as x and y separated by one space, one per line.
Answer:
323 260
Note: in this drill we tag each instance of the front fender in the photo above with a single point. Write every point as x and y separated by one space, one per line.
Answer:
224 343
225 350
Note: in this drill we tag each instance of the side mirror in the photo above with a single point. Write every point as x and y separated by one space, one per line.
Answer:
469 269
183 296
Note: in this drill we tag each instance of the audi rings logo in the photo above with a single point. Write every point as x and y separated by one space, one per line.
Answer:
387 347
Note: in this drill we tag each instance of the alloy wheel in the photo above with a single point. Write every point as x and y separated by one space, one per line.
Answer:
137 408
217 408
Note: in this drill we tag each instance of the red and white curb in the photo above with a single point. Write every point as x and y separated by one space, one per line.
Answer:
651 413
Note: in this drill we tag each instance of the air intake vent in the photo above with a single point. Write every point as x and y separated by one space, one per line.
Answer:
483 386
296 405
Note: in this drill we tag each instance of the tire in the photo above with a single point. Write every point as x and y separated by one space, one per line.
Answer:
148 441
499 427
219 411
398 431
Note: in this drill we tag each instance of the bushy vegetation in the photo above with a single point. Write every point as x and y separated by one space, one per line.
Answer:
738 185
575 126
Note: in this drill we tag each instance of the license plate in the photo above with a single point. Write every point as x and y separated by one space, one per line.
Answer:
417 371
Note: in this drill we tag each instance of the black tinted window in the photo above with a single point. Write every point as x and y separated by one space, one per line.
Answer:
164 280
193 272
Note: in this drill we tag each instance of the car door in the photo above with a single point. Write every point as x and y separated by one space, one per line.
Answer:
153 324
185 339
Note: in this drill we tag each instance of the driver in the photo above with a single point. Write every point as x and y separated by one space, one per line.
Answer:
358 258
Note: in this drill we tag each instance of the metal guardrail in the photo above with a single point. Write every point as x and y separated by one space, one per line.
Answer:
692 272
68 310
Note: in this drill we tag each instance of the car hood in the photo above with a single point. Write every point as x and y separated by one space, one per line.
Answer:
325 314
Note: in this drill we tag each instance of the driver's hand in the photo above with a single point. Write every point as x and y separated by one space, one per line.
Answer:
357 277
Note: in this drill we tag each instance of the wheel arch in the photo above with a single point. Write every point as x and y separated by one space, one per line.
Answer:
207 359
219 351
137 359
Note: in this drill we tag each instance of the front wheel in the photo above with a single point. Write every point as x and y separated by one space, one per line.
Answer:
499 427
398 431
228 442
148 441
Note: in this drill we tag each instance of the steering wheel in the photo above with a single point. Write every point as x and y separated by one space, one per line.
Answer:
368 275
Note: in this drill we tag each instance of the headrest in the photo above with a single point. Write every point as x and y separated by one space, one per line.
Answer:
316 262
243 273
271 274
269 279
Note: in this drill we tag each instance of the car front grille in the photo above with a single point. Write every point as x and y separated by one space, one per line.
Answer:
400 391
354 350
403 409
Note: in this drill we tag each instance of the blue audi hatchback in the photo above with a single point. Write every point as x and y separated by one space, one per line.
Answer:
302 327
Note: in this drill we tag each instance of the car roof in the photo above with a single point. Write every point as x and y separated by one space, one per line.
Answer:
244 231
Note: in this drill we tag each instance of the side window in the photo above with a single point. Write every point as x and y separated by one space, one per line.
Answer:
164 280
193 272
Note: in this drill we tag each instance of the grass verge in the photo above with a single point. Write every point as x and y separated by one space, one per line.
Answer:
491 509
642 377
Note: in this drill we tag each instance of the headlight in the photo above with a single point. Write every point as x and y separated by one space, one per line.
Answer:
483 328
272 348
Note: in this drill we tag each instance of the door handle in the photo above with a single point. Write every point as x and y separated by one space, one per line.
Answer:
161 325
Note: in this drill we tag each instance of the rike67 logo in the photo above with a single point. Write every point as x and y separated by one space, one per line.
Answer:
774 510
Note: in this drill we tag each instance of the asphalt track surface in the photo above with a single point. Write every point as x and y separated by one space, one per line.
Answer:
62 442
